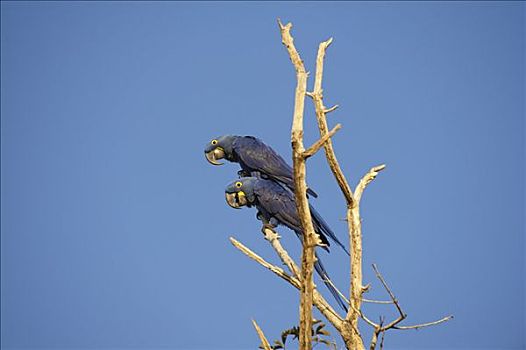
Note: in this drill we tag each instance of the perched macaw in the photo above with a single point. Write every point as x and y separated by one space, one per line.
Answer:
254 156
276 205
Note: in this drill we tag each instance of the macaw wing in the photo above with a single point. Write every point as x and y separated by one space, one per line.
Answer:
255 155
279 202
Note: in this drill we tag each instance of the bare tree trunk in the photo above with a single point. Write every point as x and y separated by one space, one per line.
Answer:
300 191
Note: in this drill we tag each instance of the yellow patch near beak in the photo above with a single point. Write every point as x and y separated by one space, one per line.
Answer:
241 194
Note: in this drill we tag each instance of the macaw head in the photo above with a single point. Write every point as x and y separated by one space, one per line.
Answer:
220 148
240 192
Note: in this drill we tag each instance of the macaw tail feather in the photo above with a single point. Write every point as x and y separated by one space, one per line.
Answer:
320 269
318 266
325 229
312 193
289 183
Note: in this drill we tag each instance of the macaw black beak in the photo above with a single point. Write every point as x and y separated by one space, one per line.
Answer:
214 155
236 200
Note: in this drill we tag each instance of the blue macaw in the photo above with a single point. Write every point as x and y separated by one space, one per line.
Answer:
276 205
254 156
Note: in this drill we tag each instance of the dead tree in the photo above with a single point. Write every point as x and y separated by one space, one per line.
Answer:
347 325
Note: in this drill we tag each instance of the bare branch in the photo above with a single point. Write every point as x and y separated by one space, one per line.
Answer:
328 280
317 96
374 338
365 318
376 301
288 42
377 331
422 325
319 301
351 334
322 305
382 341
318 144
370 176
331 109
264 341
380 329
319 66
393 298
273 238
300 190
277 270
356 288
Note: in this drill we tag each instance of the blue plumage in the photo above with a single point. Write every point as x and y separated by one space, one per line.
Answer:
276 206
254 156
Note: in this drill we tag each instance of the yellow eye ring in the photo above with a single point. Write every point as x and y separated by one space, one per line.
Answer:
239 184
214 142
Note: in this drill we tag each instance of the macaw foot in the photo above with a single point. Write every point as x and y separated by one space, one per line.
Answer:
267 226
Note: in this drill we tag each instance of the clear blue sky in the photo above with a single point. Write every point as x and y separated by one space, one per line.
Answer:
115 228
